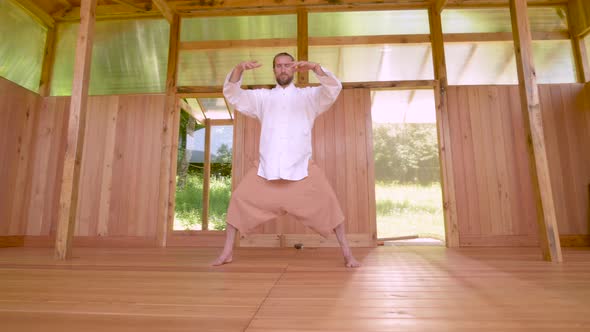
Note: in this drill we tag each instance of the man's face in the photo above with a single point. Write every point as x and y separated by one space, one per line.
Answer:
283 70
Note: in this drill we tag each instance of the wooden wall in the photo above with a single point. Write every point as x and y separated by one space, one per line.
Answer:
495 200
566 117
120 170
342 147
18 108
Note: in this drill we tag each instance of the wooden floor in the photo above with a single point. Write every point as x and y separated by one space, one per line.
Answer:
398 289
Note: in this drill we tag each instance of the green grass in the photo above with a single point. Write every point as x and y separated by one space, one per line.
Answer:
189 202
404 210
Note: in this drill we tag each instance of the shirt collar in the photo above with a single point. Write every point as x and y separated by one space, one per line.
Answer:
289 87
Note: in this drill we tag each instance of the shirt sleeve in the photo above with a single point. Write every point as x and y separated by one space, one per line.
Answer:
326 94
247 102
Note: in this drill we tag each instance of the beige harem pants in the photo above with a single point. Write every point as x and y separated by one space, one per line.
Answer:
311 201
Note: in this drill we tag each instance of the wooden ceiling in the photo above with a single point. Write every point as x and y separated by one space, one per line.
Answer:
67 10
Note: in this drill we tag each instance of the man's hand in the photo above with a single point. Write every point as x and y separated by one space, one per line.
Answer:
305 66
247 65
241 67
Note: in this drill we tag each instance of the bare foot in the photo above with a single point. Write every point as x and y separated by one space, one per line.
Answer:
351 262
223 259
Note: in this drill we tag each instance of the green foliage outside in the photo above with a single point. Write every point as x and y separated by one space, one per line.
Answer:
409 209
406 153
189 202
407 172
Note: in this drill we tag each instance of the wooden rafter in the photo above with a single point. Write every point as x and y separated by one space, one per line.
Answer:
533 126
108 12
193 112
164 8
131 4
36 12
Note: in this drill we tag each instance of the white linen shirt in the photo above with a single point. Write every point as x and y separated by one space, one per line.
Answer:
286 116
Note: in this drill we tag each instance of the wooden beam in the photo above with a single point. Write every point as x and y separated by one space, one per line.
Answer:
187 6
439 5
533 121
48 60
312 41
578 45
131 4
108 12
36 12
206 176
198 115
221 122
302 43
214 91
379 39
232 7
443 131
501 36
497 3
170 108
164 8
70 183
226 44
363 40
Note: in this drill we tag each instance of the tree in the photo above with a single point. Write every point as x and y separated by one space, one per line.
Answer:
406 153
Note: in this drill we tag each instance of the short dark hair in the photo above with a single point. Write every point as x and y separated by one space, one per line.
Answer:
281 54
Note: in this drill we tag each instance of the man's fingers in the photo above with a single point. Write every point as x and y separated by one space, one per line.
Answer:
250 64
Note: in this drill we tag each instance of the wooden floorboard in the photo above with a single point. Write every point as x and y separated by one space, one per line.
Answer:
398 289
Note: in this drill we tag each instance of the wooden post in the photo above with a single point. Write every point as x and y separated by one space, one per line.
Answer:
167 131
533 122
580 52
68 199
443 130
48 58
302 44
206 175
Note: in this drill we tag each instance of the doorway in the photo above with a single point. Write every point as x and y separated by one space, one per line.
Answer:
408 189
204 164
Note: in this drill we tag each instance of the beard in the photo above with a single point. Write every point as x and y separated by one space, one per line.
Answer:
284 79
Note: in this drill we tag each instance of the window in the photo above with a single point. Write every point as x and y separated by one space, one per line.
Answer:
22 46
128 56
486 55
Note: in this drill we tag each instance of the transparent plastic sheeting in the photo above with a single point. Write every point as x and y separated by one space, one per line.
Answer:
128 56
238 27
390 62
495 62
209 68
367 23
542 19
21 47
